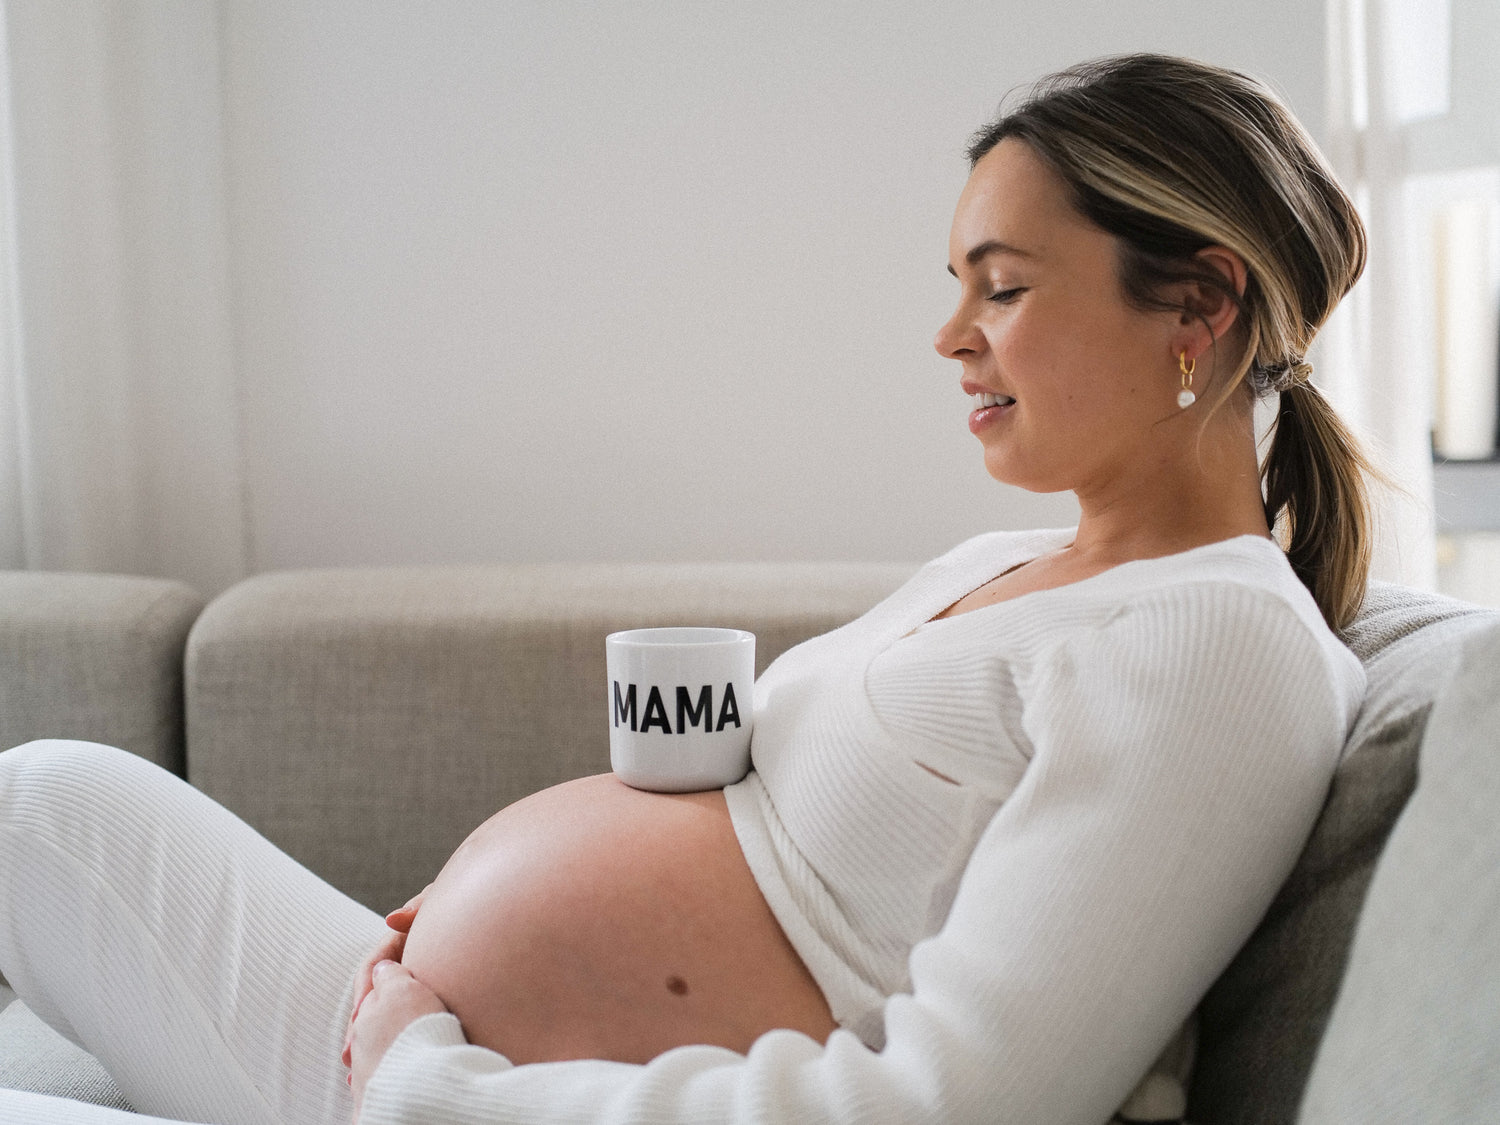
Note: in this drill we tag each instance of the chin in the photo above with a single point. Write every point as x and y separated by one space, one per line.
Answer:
1009 474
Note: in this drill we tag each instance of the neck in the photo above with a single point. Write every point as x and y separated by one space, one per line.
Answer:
1196 492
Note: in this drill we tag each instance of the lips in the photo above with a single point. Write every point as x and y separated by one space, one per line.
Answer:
989 408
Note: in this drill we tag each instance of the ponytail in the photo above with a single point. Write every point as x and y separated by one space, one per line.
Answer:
1314 479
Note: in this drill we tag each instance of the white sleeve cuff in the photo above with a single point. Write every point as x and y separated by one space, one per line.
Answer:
409 1079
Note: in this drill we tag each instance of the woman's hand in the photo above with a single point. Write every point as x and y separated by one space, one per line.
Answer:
390 949
395 1000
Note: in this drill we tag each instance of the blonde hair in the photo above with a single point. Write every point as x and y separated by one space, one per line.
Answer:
1169 156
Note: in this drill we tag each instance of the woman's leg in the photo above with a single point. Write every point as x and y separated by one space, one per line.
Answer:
210 973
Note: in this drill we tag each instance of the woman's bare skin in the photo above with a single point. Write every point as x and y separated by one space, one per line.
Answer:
592 920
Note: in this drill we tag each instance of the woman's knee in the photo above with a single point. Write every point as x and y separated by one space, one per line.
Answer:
61 750
70 771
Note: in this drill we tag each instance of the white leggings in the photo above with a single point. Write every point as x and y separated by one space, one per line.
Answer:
210 973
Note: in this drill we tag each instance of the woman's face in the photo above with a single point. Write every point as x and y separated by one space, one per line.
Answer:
1041 321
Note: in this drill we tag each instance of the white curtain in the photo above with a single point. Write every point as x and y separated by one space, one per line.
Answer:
13 458
119 441
1368 359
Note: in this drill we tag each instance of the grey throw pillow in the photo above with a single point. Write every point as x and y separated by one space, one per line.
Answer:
1415 1035
1260 1024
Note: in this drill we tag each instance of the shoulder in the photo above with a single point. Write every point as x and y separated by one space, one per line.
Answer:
1230 613
1245 585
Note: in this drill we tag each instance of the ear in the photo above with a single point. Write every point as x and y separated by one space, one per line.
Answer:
1208 314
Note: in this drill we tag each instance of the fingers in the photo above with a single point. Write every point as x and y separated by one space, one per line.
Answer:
401 918
348 1053
396 999
388 950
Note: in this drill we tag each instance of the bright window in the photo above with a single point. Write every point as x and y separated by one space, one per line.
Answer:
1425 92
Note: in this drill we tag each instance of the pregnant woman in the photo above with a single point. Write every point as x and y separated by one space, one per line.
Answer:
1001 833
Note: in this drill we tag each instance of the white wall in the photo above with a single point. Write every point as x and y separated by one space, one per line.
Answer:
532 282
368 281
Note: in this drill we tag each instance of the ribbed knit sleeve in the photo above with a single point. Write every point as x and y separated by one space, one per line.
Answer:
1183 748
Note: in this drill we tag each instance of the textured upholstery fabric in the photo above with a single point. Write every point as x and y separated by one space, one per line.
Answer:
1415 1034
1260 1023
367 720
34 1057
94 657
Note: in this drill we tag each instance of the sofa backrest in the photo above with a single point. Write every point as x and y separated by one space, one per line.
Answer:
1260 1024
367 720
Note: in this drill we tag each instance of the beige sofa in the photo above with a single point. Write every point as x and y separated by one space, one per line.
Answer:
367 720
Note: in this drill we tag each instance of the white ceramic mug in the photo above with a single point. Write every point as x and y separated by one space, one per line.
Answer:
680 703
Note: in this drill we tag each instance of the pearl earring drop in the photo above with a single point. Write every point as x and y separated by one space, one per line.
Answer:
1186 397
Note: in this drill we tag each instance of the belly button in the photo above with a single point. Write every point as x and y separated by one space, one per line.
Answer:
677 986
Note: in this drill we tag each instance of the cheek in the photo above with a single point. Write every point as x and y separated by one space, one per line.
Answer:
1097 365
1028 352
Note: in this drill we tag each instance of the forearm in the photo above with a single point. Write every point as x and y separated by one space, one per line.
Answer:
430 1075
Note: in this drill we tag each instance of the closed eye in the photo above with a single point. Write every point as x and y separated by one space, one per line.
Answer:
1005 296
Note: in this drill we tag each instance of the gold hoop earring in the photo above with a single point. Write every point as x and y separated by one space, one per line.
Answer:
1186 397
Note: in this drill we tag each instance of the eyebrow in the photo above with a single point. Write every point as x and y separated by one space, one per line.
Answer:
993 246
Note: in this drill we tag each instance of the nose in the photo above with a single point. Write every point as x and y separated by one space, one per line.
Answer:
958 338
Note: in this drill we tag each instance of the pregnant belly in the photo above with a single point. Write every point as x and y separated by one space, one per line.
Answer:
593 920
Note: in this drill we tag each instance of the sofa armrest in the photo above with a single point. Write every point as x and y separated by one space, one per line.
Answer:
367 720
95 657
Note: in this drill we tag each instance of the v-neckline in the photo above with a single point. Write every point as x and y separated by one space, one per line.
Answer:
1032 546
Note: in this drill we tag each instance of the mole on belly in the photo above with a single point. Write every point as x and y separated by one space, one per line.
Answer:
677 986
